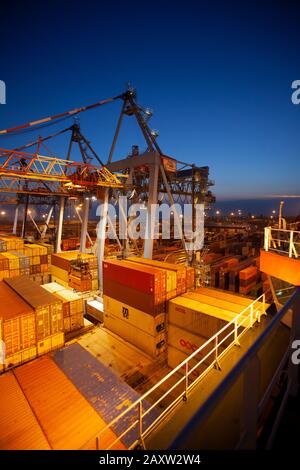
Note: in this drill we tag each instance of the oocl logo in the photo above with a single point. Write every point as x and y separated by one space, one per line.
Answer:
188 345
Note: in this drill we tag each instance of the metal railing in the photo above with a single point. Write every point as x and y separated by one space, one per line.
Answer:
204 358
286 242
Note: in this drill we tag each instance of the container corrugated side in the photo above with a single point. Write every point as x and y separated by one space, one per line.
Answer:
205 320
152 345
50 343
59 273
144 321
68 421
171 279
75 301
226 304
175 357
17 321
143 278
48 308
179 269
149 303
20 357
188 343
237 299
19 428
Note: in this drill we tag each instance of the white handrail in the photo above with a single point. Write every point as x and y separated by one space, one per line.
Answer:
237 327
282 241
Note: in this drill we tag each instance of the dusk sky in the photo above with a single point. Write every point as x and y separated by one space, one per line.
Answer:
217 75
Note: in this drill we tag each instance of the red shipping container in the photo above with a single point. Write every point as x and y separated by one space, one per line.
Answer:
153 303
136 276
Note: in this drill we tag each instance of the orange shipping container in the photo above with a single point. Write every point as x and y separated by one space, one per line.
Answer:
47 307
179 269
17 320
67 419
19 428
249 272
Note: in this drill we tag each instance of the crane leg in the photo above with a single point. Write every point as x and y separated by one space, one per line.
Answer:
84 225
150 222
16 220
101 230
60 224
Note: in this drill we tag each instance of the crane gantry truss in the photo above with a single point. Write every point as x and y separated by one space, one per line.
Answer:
22 172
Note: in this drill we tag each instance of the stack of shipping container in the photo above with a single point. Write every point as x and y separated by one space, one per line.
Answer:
235 275
193 318
30 259
61 270
72 306
31 320
134 299
135 295
248 279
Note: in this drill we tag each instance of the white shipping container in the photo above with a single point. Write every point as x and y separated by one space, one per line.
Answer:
152 345
53 287
94 308
138 318
188 342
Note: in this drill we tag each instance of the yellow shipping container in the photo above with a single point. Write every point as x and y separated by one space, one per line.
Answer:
36 260
152 345
60 281
199 318
13 243
59 273
219 294
4 274
206 299
75 301
132 316
20 357
50 343
42 250
14 273
13 260
67 324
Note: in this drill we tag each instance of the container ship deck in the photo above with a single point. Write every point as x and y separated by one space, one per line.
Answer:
155 362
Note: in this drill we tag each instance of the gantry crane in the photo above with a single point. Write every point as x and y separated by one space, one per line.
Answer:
151 174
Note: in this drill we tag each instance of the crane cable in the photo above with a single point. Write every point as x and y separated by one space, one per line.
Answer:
58 116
